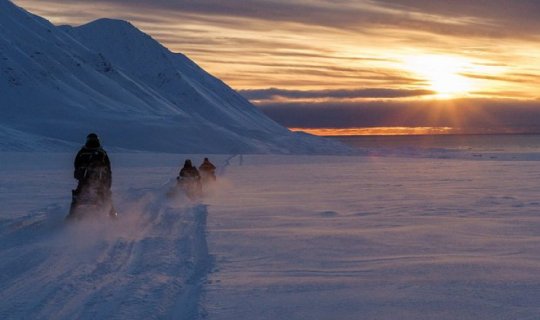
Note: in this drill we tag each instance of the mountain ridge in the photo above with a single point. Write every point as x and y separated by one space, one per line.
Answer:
109 77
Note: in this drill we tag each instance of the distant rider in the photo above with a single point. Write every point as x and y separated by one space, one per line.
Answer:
190 180
189 172
208 170
93 173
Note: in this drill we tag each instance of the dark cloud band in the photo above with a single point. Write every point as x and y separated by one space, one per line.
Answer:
471 115
272 93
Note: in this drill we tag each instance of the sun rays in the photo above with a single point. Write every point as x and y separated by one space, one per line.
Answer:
443 74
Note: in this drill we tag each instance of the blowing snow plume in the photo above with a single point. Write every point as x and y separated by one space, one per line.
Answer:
151 263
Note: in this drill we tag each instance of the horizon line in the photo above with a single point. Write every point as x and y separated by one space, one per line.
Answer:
403 131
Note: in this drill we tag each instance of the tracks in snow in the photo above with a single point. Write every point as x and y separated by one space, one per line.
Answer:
150 264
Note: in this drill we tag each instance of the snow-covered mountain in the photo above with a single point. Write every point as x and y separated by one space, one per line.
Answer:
59 83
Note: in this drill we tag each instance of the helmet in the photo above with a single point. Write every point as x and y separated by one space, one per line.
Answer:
92 140
92 136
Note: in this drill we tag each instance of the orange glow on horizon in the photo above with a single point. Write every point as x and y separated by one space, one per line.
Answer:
377 131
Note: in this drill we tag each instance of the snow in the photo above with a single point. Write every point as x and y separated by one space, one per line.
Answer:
377 238
278 237
108 77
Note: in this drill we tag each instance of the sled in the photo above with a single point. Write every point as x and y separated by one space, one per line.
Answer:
191 187
208 177
89 204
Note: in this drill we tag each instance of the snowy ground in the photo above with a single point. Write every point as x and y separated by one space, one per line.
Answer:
279 237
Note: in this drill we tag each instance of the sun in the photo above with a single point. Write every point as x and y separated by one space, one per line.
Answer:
443 74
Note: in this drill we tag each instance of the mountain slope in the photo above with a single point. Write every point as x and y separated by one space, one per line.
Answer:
174 76
60 83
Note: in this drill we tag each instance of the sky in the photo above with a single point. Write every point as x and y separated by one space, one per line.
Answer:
353 66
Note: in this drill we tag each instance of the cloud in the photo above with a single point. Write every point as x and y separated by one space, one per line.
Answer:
318 43
272 93
502 16
482 18
468 115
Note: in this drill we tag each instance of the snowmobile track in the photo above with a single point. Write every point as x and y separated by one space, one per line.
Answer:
151 263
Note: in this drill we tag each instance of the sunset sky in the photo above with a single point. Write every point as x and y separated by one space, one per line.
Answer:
437 66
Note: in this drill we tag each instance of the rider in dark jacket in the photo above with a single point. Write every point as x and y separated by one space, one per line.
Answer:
93 173
190 180
189 171
208 170
92 165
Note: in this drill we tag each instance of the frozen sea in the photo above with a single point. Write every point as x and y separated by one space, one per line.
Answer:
403 231
486 146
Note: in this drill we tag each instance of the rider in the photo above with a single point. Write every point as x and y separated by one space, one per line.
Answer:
190 180
207 169
93 173
189 171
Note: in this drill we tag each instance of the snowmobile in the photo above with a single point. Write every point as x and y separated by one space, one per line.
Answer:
207 177
91 203
190 186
